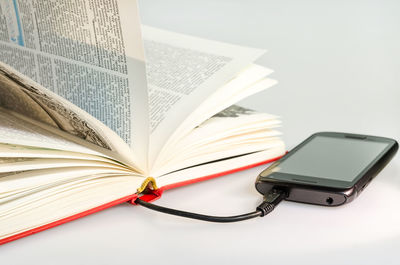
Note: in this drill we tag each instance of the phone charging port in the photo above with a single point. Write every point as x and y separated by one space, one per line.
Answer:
329 200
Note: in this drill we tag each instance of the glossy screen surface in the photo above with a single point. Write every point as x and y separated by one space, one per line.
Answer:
332 158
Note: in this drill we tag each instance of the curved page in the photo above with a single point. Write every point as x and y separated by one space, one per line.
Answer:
88 52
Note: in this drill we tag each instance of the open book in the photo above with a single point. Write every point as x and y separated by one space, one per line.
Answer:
106 110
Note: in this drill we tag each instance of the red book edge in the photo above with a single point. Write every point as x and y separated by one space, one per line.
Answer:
156 194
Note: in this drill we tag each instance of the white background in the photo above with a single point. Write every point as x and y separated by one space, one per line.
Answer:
338 64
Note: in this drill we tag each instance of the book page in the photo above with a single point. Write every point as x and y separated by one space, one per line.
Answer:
248 82
182 73
220 167
236 131
89 52
25 151
15 131
26 163
29 199
22 96
23 137
34 206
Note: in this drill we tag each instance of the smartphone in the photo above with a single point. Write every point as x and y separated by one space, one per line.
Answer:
328 168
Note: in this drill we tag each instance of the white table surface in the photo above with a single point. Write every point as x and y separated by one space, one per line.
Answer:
338 64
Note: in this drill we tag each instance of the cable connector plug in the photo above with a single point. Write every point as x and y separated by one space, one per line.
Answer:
271 199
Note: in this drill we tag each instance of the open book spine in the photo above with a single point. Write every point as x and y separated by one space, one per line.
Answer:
152 196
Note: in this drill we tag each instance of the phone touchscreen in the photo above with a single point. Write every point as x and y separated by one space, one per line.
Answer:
333 158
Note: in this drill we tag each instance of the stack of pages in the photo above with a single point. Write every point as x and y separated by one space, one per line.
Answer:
96 110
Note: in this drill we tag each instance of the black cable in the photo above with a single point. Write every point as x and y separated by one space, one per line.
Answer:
273 198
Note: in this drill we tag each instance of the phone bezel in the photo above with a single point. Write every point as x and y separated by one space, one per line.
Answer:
302 180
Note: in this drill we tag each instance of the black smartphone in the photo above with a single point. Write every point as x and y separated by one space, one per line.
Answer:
328 168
